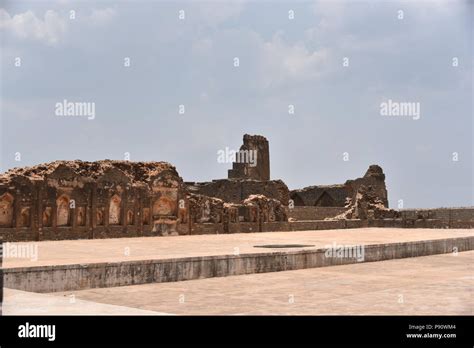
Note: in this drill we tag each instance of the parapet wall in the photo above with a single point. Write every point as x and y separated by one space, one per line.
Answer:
409 218
447 217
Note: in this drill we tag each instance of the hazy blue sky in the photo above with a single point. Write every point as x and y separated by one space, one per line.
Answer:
283 61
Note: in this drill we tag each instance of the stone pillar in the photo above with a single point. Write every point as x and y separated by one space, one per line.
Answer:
150 215
17 211
93 219
73 213
107 210
39 212
54 217
94 206
124 208
138 211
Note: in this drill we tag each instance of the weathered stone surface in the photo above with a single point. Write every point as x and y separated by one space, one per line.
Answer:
243 169
337 195
442 286
61 277
301 213
270 209
367 205
205 209
77 199
110 199
234 191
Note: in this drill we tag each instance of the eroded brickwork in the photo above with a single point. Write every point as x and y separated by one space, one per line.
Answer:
76 199
244 168
236 190
340 195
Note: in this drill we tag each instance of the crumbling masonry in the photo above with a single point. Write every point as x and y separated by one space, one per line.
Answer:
109 199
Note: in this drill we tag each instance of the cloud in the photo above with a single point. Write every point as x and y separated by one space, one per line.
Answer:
52 28
27 26
102 16
215 13
330 13
282 62
202 47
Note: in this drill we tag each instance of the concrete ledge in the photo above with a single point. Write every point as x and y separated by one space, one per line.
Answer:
100 275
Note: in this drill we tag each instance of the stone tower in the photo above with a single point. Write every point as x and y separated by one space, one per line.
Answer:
253 159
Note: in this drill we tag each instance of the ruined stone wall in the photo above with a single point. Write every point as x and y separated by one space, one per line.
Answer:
321 196
111 199
375 178
340 194
75 199
235 191
446 217
210 215
260 170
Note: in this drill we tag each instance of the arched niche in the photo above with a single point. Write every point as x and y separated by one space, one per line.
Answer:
146 216
163 206
81 216
6 210
25 217
100 216
114 210
62 214
47 221
130 216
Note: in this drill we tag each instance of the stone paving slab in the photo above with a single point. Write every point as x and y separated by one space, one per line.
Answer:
154 248
17 302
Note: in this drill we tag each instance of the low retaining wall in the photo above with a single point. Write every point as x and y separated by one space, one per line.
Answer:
314 213
318 225
447 217
410 218
101 275
70 233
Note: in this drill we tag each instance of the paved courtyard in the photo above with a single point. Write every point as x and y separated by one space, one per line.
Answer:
144 248
437 285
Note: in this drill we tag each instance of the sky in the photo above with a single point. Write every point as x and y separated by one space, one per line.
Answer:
179 81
